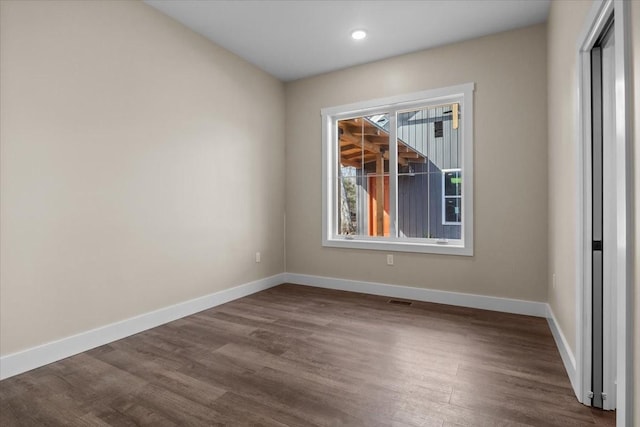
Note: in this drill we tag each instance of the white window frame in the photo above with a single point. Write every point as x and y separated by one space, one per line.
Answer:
445 197
461 94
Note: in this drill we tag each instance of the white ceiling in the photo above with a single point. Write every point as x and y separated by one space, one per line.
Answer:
295 39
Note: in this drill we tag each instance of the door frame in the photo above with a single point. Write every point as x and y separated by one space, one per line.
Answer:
598 17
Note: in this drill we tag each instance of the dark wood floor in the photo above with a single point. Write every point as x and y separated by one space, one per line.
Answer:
302 356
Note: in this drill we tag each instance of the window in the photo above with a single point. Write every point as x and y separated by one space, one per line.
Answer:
398 173
451 196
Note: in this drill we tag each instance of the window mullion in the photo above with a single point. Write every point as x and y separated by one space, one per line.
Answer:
393 175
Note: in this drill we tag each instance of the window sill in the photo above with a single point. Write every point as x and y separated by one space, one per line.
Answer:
452 247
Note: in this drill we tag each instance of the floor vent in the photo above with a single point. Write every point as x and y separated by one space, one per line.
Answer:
399 302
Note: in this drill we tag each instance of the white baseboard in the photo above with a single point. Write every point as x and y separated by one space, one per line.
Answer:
16 363
22 361
505 305
566 354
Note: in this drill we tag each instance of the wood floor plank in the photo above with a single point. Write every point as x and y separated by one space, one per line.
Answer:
153 372
244 411
302 356
518 410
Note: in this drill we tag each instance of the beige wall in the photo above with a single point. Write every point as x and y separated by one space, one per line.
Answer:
141 166
510 259
566 20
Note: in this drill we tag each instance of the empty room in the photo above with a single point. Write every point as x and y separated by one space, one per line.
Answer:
319 213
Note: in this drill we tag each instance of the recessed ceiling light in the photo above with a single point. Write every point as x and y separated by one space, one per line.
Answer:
358 34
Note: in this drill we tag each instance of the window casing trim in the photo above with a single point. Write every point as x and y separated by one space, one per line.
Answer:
462 94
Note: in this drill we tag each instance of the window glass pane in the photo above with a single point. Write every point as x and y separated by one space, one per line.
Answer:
364 143
350 205
414 201
378 217
428 146
351 148
360 213
364 176
452 183
453 209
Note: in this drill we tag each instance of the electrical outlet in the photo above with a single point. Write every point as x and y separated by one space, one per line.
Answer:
553 280
258 257
389 259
